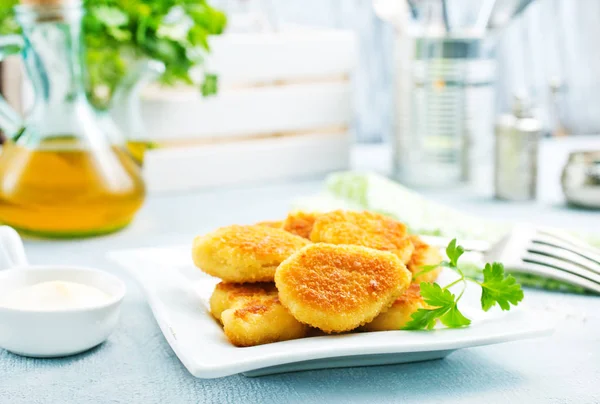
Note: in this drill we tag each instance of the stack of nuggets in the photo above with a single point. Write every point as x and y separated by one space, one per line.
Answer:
333 271
246 302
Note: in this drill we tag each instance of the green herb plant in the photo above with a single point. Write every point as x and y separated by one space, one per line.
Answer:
8 25
497 287
118 33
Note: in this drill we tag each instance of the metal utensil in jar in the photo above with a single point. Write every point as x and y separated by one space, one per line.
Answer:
581 179
516 160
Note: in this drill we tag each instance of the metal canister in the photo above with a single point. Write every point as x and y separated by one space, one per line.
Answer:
444 109
581 179
516 160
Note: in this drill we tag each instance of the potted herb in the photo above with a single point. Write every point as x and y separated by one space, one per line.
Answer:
119 33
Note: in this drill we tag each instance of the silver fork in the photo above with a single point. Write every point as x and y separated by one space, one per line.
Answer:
543 252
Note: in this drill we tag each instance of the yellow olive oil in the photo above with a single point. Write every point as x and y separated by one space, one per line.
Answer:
61 190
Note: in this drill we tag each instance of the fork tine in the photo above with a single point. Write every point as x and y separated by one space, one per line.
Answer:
561 265
552 240
566 255
546 272
570 240
561 235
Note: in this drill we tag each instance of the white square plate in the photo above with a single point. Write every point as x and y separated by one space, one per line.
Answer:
178 295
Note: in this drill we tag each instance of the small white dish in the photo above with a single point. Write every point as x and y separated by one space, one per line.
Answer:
178 295
56 333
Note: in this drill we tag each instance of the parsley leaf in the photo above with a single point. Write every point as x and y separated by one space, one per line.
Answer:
110 16
445 309
435 296
210 84
498 287
428 268
454 318
119 33
424 319
454 252
8 24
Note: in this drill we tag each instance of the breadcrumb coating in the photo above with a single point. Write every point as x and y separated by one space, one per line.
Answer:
300 223
400 312
251 314
277 224
365 229
244 253
424 255
338 288
226 294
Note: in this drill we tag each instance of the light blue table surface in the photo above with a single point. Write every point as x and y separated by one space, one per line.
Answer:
136 365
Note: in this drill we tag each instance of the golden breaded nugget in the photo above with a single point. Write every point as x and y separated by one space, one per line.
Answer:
300 223
401 311
251 314
244 253
424 255
363 228
339 287
226 294
260 320
277 224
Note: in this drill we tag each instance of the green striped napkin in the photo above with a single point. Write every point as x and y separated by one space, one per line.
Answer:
365 191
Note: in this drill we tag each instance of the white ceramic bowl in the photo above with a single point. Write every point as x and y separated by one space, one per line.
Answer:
54 333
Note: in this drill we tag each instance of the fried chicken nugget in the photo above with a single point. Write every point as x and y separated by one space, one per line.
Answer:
251 314
226 294
424 255
367 229
338 288
244 253
401 311
277 224
300 223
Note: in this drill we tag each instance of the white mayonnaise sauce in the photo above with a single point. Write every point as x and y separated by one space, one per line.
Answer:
54 295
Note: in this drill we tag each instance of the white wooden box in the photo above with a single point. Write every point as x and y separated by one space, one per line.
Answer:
284 110
247 112
269 159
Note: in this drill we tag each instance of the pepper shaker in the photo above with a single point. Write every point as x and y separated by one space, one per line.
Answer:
516 157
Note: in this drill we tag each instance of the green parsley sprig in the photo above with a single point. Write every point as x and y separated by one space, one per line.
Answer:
497 287
119 33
